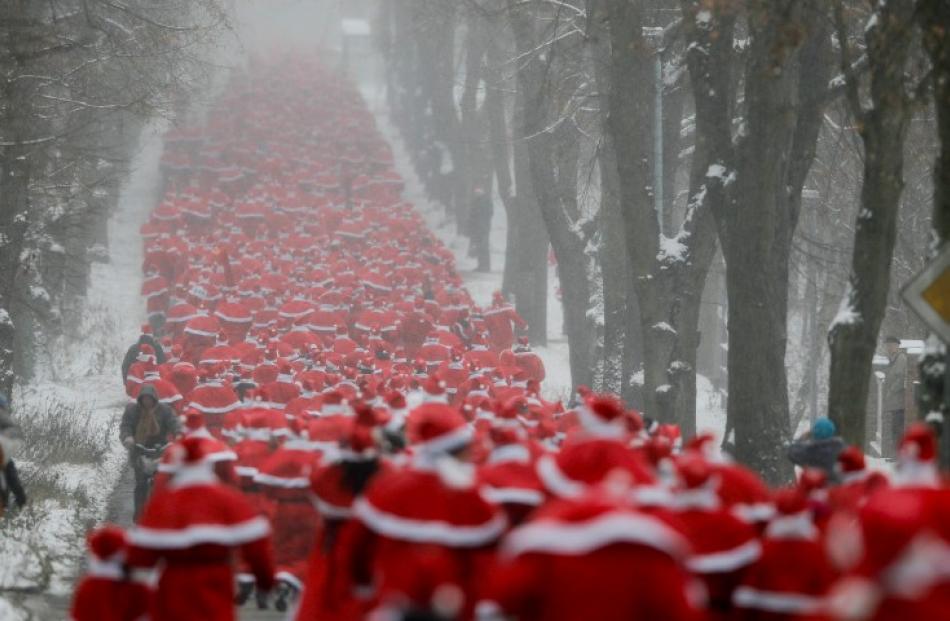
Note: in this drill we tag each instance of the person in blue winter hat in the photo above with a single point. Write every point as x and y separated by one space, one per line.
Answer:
818 448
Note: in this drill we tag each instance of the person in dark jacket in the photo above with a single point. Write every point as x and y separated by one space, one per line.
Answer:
146 338
146 423
10 484
818 448
479 228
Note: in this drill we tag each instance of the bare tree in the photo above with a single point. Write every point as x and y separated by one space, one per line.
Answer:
80 78
889 37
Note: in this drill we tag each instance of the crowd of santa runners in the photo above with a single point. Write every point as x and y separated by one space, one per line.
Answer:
346 434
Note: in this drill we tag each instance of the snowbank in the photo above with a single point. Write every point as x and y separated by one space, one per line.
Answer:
72 457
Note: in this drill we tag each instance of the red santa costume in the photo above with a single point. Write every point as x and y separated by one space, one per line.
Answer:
215 399
592 557
599 447
770 591
192 528
283 479
108 592
217 452
432 528
499 320
331 592
723 545
904 543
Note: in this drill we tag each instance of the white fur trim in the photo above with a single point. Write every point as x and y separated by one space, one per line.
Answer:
488 611
754 512
512 495
580 538
507 453
190 475
330 510
428 531
205 409
725 561
198 534
776 601
199 332
855 476
703 497
653 496
447 442
290 579
109 569
556 481
798 526
598 427
284 482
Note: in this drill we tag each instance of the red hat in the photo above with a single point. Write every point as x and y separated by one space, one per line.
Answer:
790 500
107 542
851 460
917 458
436 428
812 479
434 388
694 471
919 444
794 519
603 415
146 328
194 419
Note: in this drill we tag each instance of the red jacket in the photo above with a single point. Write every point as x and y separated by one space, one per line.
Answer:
106 595
192 528
590 559
413 558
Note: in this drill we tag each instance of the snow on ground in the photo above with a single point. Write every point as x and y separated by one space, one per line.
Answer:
69 414
710 408
557 384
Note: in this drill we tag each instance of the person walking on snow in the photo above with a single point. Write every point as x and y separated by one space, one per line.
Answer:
819 448
895 376
479 228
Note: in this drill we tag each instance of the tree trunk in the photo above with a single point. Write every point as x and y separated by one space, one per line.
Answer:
883 127
552 154
755 231
934 16
667 272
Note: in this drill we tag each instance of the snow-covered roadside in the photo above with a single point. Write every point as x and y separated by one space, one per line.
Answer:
72 457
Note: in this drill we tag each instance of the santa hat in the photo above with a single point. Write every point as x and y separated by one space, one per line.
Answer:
398 410
333 403
194 420
603 416
697 482
107 543
917 458
890 528
851 465
437 429
361 439
146 353
196 467
146 328
435 390
794 517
